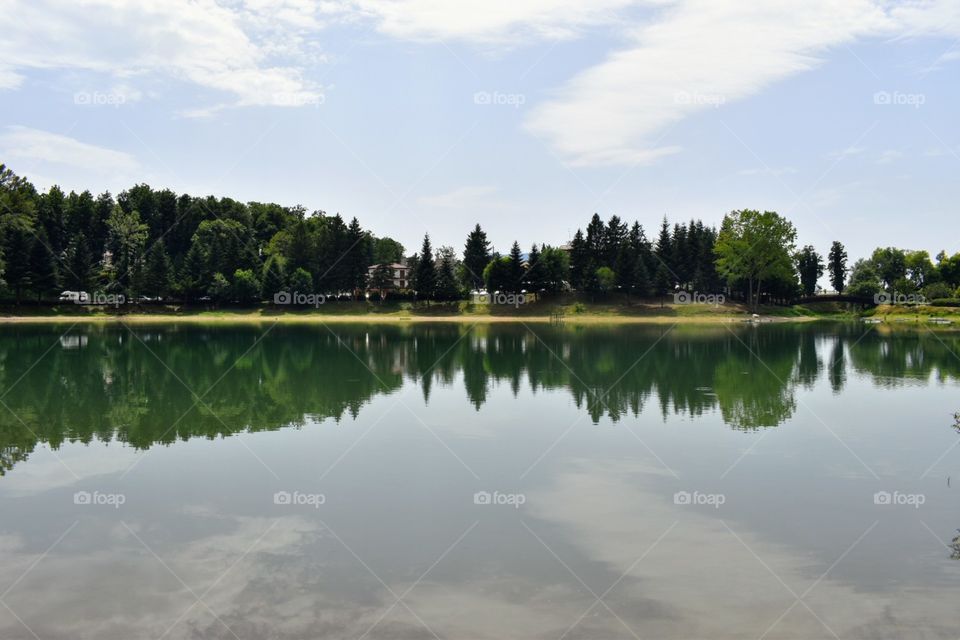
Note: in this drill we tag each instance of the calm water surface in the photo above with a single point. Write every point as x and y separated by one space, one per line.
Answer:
478 482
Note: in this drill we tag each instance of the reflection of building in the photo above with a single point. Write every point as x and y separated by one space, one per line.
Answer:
399 275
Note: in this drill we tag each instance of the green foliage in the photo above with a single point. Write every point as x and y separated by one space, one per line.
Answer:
425 274
606 279
43 269
755 248
381 280
864 279
810 268
220 288
497 275
476 257
837 261
387 251
301 281
517 271
555 263
272 278
446 287
890 264
246 287
156 279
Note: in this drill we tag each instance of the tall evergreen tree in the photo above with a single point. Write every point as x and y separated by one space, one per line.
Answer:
476 257
18 240
838 266
516 268
43 269
157 272
446 288
536 276
579 261
272 278
425 275
78 273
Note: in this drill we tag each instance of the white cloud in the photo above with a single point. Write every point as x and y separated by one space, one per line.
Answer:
767 171
490 21
23 143
888 156
47 159
458 198
202 43
699 54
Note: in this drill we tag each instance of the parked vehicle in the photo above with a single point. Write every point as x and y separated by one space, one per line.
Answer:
76 297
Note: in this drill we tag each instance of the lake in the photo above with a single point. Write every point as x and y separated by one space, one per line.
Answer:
488 481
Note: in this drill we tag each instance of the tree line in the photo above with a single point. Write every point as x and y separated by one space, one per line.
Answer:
159 244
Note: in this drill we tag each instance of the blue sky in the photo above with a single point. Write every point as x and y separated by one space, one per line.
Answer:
525 116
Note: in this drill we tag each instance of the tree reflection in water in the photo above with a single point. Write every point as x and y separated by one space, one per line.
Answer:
146 385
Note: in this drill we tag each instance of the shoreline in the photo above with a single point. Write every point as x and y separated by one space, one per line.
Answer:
249 318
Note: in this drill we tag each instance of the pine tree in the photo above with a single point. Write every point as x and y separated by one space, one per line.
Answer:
17 243
446 288
596 231
425 276
662 282
579 261
476 257
536 276
516 268
157 272
78 273
194 276
272 278
664 249
43 269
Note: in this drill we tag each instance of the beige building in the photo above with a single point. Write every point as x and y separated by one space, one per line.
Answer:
400 275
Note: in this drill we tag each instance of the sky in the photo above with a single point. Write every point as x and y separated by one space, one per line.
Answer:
526 116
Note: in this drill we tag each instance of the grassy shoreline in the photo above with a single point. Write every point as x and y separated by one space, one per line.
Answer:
405 313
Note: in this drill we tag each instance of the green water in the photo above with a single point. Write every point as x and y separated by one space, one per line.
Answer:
504 481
